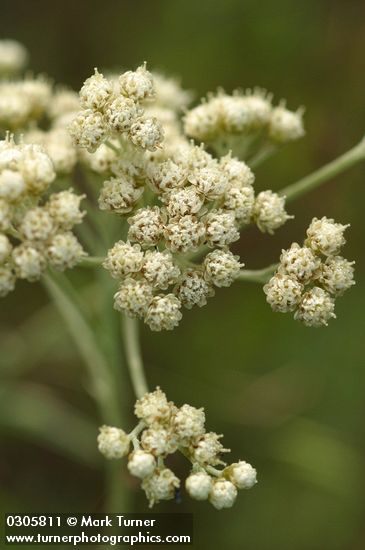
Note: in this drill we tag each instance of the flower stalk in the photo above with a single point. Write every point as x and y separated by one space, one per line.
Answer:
257 275
134 360
323 174
91 261
103 381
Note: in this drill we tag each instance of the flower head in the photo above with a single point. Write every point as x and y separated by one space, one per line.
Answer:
119 194
88 129
13 57
269 211
300 262
163 313
193 289
223 494
138 84
221 267
141 464
286 125
283 292
153 407
161 485
147 133
199 485
29 262
64 251
242 475
64 209
336 275
113 442
184 234
316 308
133 297
123 259
159 269
146 226
96 92
326 237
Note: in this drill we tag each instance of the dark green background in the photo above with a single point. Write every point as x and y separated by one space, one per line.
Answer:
290 400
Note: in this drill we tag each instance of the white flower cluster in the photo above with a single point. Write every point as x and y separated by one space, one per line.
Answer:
166 105
202 202
111 109
27 104
241 114
33 235
164 429
58 145
169 93
181 200
23 101
310 277
269 211
169 103
56 141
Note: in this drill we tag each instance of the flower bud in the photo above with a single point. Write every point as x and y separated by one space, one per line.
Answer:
113 443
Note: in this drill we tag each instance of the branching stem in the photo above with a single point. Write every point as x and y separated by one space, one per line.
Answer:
257 275
91 261
326 172
265 153
132 348
102 378
84 338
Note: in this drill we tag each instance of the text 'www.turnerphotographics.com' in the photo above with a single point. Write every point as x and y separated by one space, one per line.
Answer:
110 529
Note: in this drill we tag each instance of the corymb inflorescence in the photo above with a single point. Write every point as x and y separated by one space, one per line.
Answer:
164 429
167 190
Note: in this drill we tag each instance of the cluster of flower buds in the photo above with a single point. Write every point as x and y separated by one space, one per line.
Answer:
62 106
310 277
200 202
193 201
164 429
168 101
229 119
58 145
114 109
169 93
33 235
27 103
23 101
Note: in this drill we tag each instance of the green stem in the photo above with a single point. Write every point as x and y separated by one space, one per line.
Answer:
138 429
118 495
85 233
213 471
210 469
333 168
104 388
266 152
91 261
84 339
130 334
257 275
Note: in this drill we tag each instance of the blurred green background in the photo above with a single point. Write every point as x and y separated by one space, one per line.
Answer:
290 400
